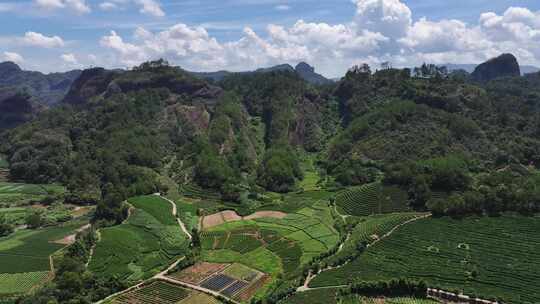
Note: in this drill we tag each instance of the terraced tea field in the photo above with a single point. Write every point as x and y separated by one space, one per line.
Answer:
19 283
161 292
372 199
154 293
370 229
148 241
12 193
331 296
487 257
24 256
401 300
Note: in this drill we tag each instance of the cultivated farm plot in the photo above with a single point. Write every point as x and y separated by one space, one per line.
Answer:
29 250
198 273
199 298
231 280
372 199
370 229
13 193
20 283
398 300
31 189
331 296
295 239
487 257
157 292
148 241
24 257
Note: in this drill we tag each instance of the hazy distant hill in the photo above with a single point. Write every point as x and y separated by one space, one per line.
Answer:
525 69
304 70
47 89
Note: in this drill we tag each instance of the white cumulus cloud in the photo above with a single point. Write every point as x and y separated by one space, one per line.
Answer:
77 6
69 58
381 30
150 7
40 40
13 57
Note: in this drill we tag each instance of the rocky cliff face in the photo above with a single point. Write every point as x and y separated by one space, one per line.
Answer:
505 65
307 73
98 82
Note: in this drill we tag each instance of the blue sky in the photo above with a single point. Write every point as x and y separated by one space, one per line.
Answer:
235 34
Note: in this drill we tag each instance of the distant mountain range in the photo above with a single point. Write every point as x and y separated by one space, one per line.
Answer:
48 89
304 70
525 69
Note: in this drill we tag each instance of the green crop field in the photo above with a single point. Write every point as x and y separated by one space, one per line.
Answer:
372 199
311 176
332 296
157 207
488 257
24 256
187 213
16 193
141 246
32 189
293 202
19 283
368 229
315 296
356 299
240 272
154 293
29 250
294 240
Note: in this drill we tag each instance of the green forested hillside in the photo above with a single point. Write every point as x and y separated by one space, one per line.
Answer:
376 153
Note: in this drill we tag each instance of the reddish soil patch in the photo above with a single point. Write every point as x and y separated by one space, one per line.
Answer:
212 220
230 216
261 214
198 272
219 218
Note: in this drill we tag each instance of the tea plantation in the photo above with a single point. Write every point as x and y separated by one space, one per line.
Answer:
147 242
488 257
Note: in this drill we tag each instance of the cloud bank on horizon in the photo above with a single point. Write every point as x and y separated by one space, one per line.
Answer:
379 31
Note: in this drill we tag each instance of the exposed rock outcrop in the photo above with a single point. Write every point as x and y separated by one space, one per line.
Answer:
307 73
505 65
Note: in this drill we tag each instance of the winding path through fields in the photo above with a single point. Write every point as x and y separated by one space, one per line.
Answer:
161 275
311 276
174 212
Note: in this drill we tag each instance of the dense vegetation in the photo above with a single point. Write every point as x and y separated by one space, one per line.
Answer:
349 162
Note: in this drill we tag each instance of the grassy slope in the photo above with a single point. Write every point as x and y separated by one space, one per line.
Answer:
490 257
